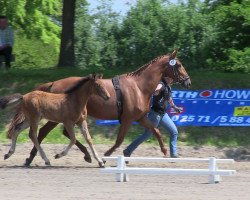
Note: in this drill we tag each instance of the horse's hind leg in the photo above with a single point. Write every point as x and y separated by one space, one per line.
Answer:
84 130
43 132
120 137
83 149
70 129
33 137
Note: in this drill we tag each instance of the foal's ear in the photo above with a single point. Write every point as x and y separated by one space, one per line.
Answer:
173 55
100 76
93 76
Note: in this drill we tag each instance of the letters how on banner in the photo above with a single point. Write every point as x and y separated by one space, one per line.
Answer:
208 108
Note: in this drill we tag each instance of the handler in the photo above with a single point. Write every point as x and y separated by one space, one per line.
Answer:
158 116
6 40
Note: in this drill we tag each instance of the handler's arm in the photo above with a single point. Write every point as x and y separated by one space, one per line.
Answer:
171 103
158 89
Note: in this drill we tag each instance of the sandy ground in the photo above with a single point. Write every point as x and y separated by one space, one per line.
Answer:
72 178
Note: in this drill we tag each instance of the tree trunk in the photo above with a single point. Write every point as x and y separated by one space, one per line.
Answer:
67 50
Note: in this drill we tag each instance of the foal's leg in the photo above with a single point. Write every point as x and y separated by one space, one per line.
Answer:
17 130
148 124
83 149
84 130
43 132
33 137
13 145
120 137
70 129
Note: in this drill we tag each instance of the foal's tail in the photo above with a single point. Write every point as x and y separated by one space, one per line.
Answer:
10 100
17 123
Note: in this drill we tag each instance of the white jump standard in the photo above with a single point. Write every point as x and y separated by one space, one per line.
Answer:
212 171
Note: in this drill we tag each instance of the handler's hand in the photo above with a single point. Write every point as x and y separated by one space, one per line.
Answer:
177 109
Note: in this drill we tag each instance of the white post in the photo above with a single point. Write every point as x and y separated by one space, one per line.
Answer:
120 166
212 168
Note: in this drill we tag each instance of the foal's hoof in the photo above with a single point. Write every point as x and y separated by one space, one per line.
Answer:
6 156
47 163
87 159
101 164
57 156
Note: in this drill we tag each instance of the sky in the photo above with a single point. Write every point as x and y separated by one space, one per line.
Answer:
120 6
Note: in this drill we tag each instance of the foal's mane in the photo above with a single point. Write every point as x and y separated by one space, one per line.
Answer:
145 66
75 87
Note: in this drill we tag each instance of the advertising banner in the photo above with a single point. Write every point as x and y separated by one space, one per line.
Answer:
208 108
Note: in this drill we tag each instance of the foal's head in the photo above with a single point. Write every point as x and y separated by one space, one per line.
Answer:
177 71
98 87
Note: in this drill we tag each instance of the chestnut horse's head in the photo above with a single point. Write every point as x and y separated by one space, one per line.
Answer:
176 71
99 87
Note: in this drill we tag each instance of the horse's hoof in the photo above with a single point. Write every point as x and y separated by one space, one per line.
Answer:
27 162
47 163
57 156
6 156
107 154
101 164
87 159
104 161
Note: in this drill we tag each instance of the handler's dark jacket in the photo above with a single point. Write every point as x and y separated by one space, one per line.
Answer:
160 101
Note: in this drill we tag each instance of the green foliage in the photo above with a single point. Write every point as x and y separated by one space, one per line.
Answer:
36 27
33 53
96 44
238 60
35 19
229 24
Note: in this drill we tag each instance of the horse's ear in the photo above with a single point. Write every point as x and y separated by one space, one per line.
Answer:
173 55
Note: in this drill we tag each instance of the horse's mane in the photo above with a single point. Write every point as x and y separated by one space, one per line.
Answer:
75 87
145 66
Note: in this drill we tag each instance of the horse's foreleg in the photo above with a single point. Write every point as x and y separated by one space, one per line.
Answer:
84 130
83 149
148 124
70 129
33 137
120 137
43 132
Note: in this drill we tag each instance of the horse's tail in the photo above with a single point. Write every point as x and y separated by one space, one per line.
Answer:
16 123
10 100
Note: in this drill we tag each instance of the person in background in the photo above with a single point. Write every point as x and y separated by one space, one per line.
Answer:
6 40
158 116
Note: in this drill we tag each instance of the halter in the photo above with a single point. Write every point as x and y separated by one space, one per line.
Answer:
172 64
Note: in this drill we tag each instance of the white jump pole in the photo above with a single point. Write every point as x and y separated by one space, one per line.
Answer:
212 168
212 171
121 165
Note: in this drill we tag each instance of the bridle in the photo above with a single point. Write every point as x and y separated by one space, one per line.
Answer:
179 79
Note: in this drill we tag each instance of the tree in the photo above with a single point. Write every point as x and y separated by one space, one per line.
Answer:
96 36
230 22
35 19
67 48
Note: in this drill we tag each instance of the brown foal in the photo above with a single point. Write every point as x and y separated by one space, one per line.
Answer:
60 108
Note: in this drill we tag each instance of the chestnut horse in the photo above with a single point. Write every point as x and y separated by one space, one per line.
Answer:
137 88
61 108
